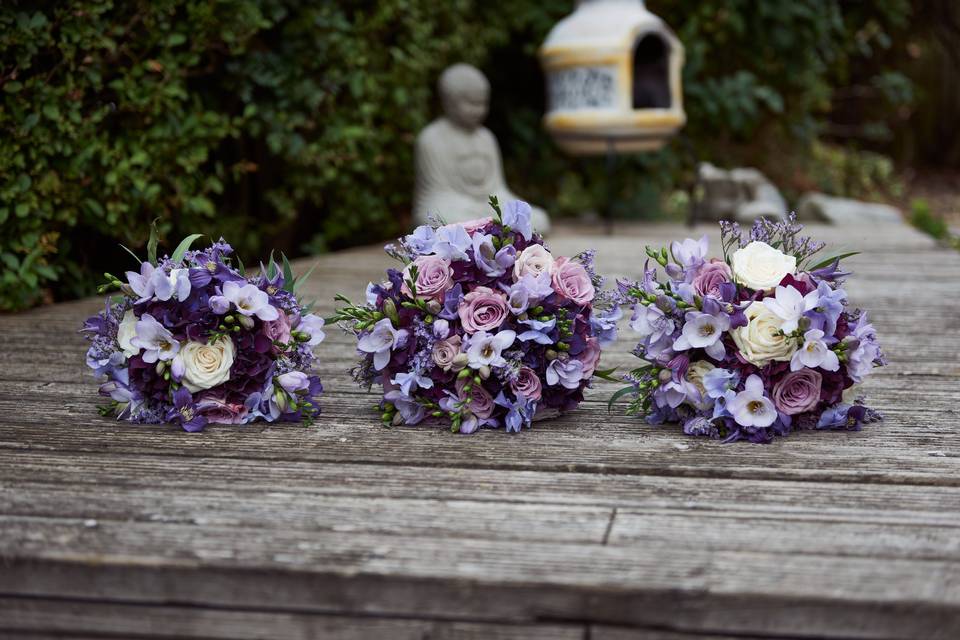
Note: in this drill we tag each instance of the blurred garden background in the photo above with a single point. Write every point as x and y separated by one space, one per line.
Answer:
289 124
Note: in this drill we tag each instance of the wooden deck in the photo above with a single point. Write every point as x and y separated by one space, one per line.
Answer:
591 526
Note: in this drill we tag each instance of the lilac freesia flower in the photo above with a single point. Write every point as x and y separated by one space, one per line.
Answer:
248 299
175 284
516 215
371 294
293 381
519 412
452 242
814 353
312 325
185 412
518 297
675 392
690 253
422 240
485 349
451 302
790 305
441 329
410 382
157 343
864 351
380 341
831 306
490 261
538 330
411 411
703 331
604 323
718 382
750 407
142 283
651 322
567 372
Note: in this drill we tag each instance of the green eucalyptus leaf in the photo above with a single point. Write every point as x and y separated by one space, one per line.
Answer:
152 243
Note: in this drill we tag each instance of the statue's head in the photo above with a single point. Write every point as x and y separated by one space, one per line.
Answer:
465 95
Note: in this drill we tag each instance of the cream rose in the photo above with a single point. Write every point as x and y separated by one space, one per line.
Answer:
533 260
760 266
695 373
206 365
761 341
126 332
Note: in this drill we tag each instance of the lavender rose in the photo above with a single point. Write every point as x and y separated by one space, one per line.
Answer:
797 392
527 384
434 277
483 309
590 357
572 282
479 402
711 276
278 331
444 351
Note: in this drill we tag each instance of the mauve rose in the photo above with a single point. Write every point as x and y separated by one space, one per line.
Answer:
278 330
478 400
590 356
797 392
483 309
527 384
533 261
444 351
711 276
217 410
572 282
434 277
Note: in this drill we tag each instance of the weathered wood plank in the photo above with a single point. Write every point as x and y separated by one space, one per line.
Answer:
519 581
131 620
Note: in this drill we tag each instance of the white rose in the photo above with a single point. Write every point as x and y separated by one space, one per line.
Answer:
533 260
761 341
760 266
126 332
206 365
695 373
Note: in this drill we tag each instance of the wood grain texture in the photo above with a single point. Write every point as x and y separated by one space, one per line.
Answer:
594 525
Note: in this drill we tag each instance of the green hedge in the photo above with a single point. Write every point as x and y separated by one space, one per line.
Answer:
290 123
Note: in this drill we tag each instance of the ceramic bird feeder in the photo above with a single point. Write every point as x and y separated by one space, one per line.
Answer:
613 79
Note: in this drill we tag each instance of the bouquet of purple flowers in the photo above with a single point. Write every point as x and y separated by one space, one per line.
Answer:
191 339
483 326
751 346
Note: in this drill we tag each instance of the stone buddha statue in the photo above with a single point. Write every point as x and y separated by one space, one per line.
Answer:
458 165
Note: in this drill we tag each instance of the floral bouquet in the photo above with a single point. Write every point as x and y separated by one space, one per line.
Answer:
191 339
751 346
483 326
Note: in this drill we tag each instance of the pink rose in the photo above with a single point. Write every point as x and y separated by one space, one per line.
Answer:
444 351
590 357
527 384
470 225
217 410
478 400
278 330
711 276
571 281
434 277
483 309
798 391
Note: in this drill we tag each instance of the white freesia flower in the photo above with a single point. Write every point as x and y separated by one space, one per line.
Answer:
814 353
760 266
126 332
206 365
790 305
761 340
